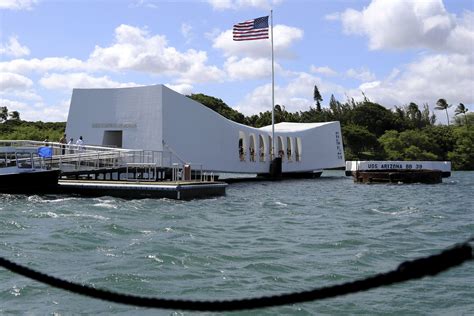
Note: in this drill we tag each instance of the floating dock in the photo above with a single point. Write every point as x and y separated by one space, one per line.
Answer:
125 189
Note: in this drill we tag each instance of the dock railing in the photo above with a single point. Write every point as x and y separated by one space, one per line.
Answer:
86 157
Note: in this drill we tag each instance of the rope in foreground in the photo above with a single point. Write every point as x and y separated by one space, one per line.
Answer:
408 270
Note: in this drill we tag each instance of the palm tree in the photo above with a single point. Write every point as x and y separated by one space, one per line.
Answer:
461 109
443 105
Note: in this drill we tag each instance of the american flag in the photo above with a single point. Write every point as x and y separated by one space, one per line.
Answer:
251 30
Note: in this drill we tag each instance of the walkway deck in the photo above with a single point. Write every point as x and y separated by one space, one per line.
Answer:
100 171
125 189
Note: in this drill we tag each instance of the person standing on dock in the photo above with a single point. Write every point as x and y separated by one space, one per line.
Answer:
63 142
70 145
80 144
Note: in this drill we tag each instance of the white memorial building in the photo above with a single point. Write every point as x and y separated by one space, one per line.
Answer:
158 118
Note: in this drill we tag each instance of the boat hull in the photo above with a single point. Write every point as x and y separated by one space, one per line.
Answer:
44 181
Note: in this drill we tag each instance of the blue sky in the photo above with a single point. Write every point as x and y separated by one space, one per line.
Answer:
396 51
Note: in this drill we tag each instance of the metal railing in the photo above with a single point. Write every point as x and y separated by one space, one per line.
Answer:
86 157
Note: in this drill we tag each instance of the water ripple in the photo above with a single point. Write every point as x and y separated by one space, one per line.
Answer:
260 239
404 211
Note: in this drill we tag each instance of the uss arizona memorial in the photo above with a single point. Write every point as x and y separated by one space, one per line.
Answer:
158 118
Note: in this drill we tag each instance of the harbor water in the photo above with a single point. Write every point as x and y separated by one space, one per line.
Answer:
261 239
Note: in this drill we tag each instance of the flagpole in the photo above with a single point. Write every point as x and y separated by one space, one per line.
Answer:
273 89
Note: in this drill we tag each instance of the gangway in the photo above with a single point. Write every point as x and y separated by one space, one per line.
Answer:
99 161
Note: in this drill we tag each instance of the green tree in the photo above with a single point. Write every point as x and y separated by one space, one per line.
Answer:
462 156
376 118
16 129
469 118
358 142
418 145
415 153
442 138
15 116
333 104
3 113
312 115
317 98
392 145
400 120
260 120
407 145
218 106
441 104
341 112
428 117
461 109
411 117
414 115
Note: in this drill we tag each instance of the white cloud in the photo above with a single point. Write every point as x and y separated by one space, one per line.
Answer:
461 39
186 30
18 87
407 24
198 72
446 72
211 35
222 4
143 3
13 48
284 37
55 113
12 81
259 100
369 85
42 65
135 49
27 95
38 111
17 4
248 68
425 81
13 105
333 16
295 96
80 80
239 4
324 70
184 88
361 74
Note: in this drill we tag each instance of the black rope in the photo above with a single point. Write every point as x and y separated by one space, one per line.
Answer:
409 270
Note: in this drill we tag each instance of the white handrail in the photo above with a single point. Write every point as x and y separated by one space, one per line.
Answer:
89 157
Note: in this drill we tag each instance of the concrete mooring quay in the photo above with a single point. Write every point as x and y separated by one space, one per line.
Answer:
181 190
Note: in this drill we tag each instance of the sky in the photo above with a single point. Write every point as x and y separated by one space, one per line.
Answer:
393 51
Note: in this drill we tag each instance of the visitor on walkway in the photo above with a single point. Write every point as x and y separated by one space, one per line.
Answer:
80 144
63 142
70 145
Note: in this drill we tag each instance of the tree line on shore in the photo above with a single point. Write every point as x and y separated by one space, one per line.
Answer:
12 127
370 131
